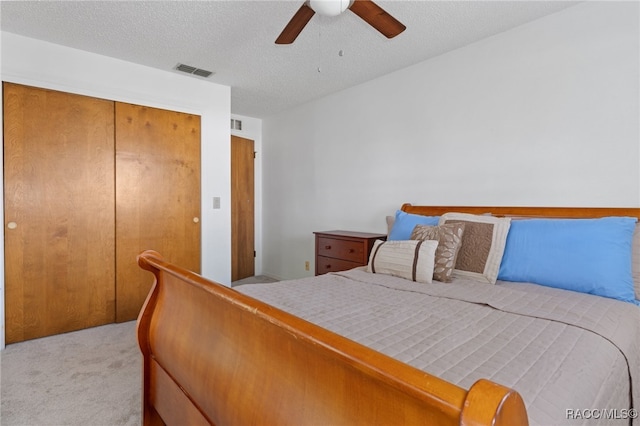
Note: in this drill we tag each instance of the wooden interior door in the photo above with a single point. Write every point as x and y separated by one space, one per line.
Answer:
157 196
58 210
242 208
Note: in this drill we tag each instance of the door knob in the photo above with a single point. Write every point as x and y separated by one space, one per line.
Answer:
196 219
12 225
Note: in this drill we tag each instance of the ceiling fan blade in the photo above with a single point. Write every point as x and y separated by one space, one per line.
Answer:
376 16
295 25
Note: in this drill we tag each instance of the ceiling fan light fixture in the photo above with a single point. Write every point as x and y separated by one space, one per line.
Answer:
369 11
329 7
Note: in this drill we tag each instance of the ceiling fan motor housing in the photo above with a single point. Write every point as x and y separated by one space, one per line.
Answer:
329 7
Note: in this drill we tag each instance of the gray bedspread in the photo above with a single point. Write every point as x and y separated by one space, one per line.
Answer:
569 355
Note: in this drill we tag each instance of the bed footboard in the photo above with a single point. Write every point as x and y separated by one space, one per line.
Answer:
212 355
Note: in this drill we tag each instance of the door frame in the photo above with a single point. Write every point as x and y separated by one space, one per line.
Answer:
248 264
252 129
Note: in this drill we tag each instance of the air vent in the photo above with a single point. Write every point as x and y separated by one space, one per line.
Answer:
202 73
193 70
236 124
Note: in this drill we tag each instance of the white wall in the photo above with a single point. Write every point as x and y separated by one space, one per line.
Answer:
32 62
546 114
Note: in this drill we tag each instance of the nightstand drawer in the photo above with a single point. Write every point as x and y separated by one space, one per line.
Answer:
341 249
328 264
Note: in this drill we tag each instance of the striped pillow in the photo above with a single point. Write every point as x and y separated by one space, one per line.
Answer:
409 259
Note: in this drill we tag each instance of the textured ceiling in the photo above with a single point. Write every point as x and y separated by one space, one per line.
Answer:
235 39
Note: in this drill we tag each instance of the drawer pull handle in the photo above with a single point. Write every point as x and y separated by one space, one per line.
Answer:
352 251
327 247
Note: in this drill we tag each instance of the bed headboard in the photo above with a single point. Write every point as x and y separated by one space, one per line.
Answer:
550 212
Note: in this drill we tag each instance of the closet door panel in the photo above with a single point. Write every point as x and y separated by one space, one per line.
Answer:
59 212
157 196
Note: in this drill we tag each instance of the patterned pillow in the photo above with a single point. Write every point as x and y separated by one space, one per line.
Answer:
411 260
483 243
449 237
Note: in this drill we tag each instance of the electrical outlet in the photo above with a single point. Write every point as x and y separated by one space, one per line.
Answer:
306 265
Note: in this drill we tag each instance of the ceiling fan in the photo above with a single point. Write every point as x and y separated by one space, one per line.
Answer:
370 12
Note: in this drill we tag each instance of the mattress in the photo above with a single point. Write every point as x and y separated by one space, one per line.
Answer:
574 358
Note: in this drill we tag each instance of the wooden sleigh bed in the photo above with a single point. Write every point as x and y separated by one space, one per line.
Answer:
213 355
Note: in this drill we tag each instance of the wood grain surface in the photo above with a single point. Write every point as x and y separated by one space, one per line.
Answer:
157 196
59 193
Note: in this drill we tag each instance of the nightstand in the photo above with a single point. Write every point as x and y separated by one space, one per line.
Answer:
342 250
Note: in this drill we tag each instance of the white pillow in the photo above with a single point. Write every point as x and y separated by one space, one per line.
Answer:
409 259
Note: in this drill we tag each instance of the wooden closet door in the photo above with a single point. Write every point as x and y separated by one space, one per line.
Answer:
58 212
242 208
157 197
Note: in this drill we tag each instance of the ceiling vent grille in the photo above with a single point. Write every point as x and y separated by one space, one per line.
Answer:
193 70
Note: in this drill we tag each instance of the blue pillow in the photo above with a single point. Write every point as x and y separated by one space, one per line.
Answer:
405 222
587 255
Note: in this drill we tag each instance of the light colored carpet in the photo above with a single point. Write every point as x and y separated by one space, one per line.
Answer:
258 279
87 377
